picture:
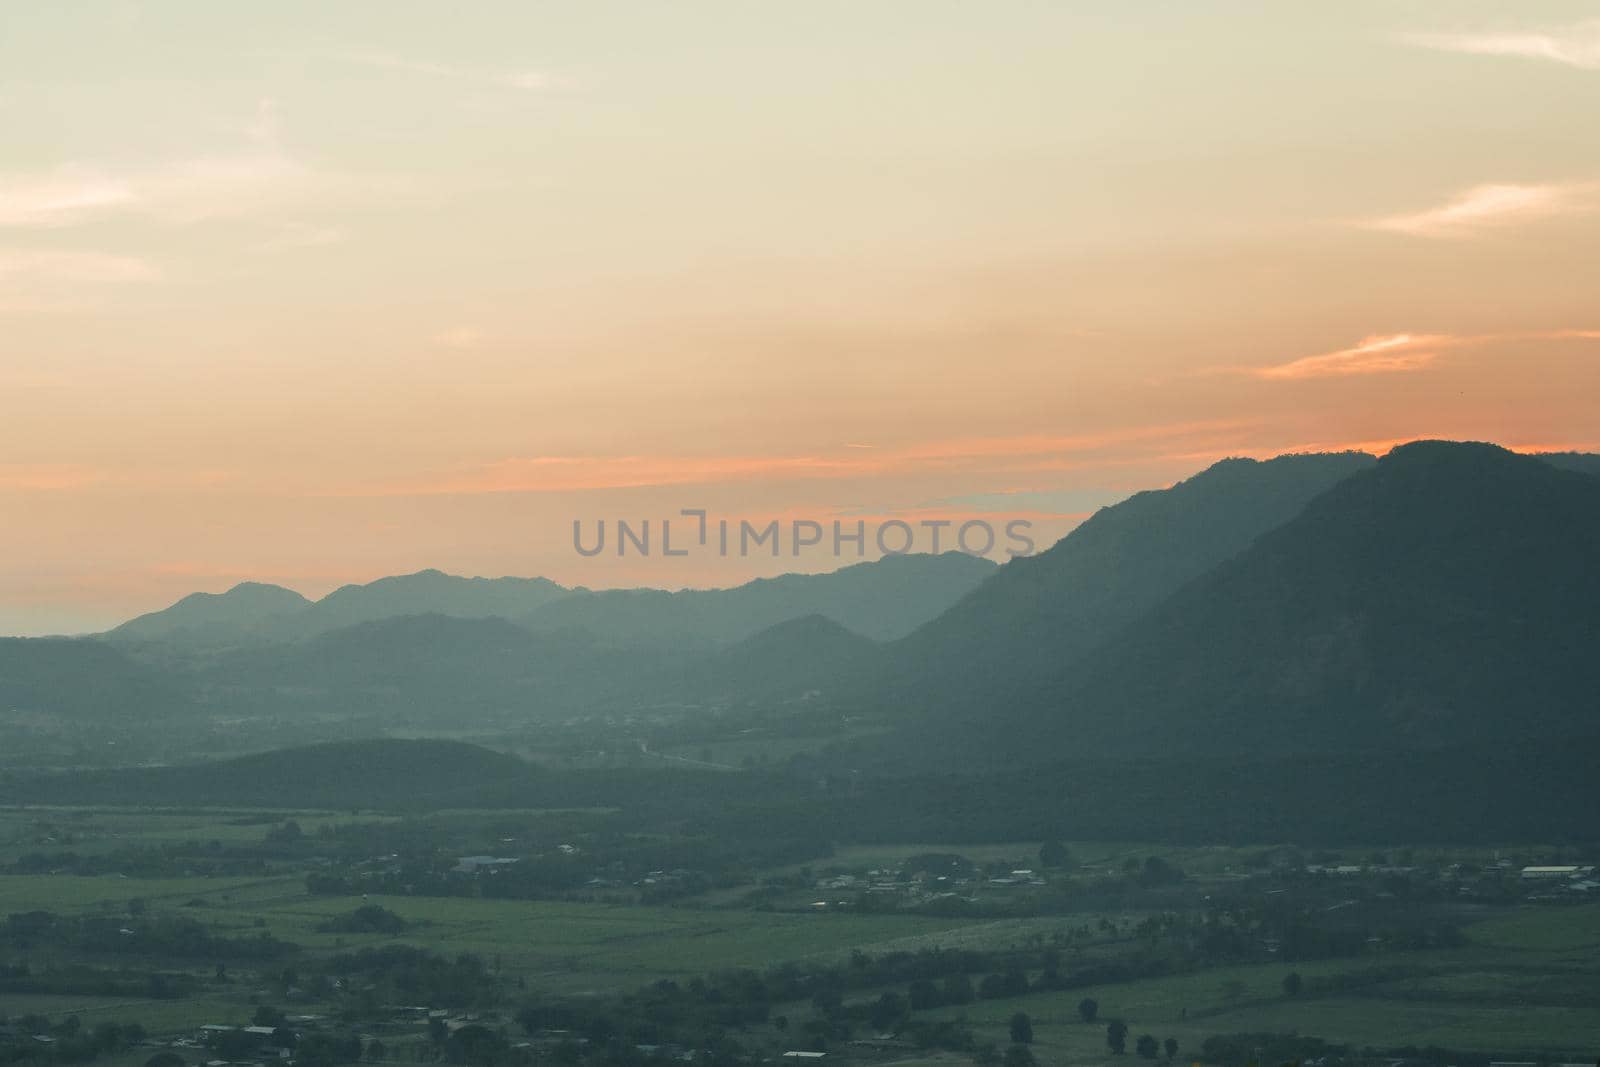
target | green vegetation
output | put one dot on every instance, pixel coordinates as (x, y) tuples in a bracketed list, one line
[(1185, 947)]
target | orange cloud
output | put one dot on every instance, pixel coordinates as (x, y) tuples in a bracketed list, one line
[(1374, 355), (545, 474), (1389, 354), (46, 477)]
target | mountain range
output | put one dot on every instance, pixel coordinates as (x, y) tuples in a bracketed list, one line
[(1366, 613), (882, 600)]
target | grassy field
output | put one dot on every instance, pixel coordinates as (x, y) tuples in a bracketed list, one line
[(1528, 980), (97, 831), (66, 893), (556, 946)]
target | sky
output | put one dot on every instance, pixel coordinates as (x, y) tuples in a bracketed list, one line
[(309, 293)]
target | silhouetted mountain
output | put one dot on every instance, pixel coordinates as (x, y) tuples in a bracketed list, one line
[(1450, 594), (84, 680), (1040, 615), (880, 600), (211, 619), (428, 592)]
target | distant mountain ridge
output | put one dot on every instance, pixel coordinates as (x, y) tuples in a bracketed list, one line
[(882, 599), (214, 618), (879, 599), (424, 593)]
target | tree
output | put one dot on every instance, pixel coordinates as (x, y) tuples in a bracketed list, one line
[(1019, 1056), (827, 1002), (267, 1015), (888, 1010), (1157, 871), (1117, 1036), (1088, 1008), (1171, 1045), (1053, 855), (1147, 1047), (958, 989), (924, 994), (992, 987), (1021, 1029), (1051, 977), (1292, 984), (108, 1038)]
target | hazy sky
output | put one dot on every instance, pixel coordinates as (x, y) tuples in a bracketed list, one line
[(311, 293)]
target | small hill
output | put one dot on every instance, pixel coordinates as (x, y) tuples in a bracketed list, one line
[(881, 600), (212, 619), (1450, 594), (348, 774), (785, 662), (85, 680)]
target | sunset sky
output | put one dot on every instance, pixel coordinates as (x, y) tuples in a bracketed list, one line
[(311, 293)]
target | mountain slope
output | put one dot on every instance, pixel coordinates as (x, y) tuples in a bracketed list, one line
[(214, 618), (1585, 462), (880, 600), (85, 680), (1449, 594), (1039, 615), (434, 669)]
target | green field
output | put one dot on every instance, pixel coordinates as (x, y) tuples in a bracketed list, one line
[(1518, 985), (96, 831), (561, 947), (1528, 980)]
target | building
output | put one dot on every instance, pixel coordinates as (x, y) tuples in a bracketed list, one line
[(1569, 871)]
